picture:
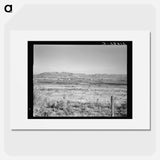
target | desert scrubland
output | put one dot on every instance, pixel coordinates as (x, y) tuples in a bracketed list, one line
[(79, 95)]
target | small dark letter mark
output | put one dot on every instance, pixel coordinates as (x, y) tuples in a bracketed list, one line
[(8, 8)]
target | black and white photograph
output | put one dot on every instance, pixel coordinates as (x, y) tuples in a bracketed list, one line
[(80, 79)]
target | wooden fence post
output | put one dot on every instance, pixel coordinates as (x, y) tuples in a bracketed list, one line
[(112, 106)]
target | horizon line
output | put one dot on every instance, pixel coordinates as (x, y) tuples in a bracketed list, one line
[(82, 73)]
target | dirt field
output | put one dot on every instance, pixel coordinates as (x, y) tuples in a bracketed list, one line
[(68, 94)]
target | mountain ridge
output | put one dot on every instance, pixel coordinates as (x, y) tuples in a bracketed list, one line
[(70, 73), (71, 78)]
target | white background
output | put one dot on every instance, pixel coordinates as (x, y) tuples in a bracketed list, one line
[(141, 79), (87, 145)]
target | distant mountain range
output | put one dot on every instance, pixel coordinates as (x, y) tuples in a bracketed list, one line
[(66, 74), (71, 78)]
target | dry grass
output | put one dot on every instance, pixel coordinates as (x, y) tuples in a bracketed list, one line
[(54, 100)]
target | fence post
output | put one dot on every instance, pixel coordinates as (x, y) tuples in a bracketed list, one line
[(112, 106)]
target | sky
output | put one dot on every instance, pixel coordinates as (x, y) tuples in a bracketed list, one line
[(89, 59)]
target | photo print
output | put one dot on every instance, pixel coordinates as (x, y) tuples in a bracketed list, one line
[(79, 79)]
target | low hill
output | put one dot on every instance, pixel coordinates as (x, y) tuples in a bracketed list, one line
[(76, 78)]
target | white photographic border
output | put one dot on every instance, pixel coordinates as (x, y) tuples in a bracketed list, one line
[(141, 81)]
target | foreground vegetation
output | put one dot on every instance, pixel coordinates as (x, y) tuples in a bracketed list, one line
[(78, 96)]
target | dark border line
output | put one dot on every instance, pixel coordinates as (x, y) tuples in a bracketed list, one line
[(30, 79), (79, 42)]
